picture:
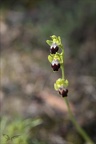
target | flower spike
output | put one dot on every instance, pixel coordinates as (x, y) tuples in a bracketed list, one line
[(57, 61)]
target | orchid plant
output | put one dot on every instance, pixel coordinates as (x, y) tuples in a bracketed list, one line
[(57, 61), (56, 58)]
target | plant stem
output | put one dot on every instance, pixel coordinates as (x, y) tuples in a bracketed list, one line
[(62, 69), (78, 127), (62, 66)]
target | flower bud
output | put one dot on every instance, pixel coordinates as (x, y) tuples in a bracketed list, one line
[(55, 65), (54, 48)]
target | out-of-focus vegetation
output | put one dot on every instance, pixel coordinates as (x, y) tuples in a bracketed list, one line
[(18, 131), (25, 72), (71, 19)]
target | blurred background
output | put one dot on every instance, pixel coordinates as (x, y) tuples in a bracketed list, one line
[(31, 110)]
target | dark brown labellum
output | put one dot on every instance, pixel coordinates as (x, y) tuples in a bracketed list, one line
[(55, 65), (54, 48), (63, 92)]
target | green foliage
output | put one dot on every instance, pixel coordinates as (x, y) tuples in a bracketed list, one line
[(58, 17), (66, 18), (18, 131), (19, 3)]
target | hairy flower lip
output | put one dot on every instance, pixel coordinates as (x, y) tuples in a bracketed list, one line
[(55, 65), (54, 48), (63, 91)]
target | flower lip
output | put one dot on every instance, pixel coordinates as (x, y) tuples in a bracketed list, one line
[(63, 91), (55, 65), (54, 48)]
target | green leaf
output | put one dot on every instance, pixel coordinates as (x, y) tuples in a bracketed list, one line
[(50, 58), (6, 136), (49, 42)]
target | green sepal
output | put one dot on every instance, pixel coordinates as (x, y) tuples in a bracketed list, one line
[(61, 58), (49, 42), (50, 58), (55, 87), (56, 40), (66, 83), (59, 39), (58, 56), (53, 37), (60, 83)]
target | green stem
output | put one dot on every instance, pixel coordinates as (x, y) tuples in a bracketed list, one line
[(62, 69), (79, 129), (62, 66)]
